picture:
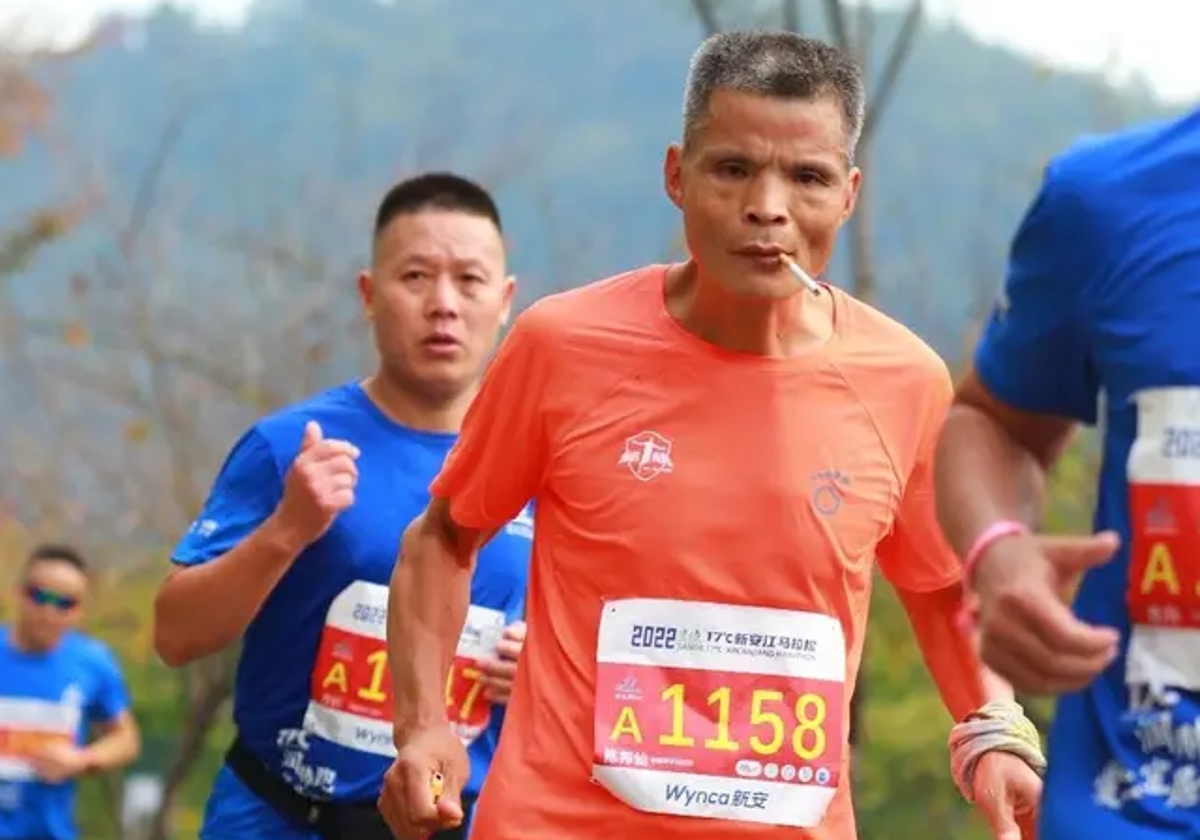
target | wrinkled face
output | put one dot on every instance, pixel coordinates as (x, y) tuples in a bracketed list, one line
[(51, 602), (763, 176), (437, 296)]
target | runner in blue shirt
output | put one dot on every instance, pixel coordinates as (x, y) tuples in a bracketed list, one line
[(295, 546), (56, 685), (1099, 324)]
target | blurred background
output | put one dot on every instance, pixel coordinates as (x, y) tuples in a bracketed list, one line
[(187, 190)]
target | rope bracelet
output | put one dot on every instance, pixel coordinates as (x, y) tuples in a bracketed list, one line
[(1000, 726)]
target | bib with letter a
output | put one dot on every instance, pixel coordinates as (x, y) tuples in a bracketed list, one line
[(1164, 561), (720, 711), (351, 694)]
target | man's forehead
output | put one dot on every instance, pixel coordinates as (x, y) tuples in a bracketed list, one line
[(747, 119), (56, 573), (440, 234)]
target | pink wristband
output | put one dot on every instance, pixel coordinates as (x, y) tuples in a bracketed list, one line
[(993, 532)]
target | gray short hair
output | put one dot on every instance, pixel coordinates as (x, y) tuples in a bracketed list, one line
[(781, 65)]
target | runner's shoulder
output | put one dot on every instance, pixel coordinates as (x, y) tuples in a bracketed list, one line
[(84, 648), (881, 345), (282, 430), (604, 311), (1087, 171)]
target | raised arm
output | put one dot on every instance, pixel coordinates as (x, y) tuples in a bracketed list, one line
[(253, 527)]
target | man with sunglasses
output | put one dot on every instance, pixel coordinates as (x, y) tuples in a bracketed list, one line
[(56, 684)]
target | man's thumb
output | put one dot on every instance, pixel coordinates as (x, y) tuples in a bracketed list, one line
[(450, 810), (1078, 554), (312, 435)]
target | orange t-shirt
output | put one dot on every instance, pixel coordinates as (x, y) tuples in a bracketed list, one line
[(707, 525)]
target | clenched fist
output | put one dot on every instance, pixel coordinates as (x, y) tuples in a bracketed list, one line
[(319, 485)]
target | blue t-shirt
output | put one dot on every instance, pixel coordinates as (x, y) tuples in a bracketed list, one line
[(49, 696), (312, 696), (1100, 322)]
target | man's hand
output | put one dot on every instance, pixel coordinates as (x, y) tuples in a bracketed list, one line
[(59, 762), (500, 670), (1007, 791), (1028, 634), (319, 485), (407, 801)]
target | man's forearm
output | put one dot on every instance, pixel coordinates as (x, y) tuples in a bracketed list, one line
[(983, 476), (114, 748), (428, 600), (950, 654), (202, 609)]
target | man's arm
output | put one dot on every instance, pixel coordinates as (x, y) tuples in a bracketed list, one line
[(202, 609), (117, 744), (1034, 379), (427, 605), (229, 561), (251, 531), (495, 467), (950, 654), (927, 575), (992, 462)]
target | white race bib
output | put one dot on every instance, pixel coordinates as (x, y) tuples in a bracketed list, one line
[(27, 727), (351, 691), (1164, 558), (720, 711)]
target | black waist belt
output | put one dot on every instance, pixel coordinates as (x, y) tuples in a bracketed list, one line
[(331, 820)]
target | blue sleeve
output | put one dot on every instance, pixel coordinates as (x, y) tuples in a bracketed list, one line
[(1034, 353), (245, 493), (111, 696)]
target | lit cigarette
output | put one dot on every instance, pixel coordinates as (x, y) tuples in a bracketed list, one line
[(800, 274)]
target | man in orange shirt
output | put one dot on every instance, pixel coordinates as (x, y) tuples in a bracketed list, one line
[(719, 458)]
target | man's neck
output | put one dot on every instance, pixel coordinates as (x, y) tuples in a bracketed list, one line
[(403, 407), (775, 328)]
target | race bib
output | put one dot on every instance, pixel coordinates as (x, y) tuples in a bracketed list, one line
[(1164, 556), (27, 728), (719, 711), (351, 690)]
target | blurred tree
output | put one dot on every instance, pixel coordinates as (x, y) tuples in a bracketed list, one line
[(24, 111)]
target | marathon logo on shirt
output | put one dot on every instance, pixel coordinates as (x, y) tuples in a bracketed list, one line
[(28, 727), (351, 691)]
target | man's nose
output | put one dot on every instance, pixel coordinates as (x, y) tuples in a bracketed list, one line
[(766, 202), (444, 297)]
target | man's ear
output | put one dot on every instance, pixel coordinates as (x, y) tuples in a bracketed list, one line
[(366, 294), (509, 292), (673, 174)]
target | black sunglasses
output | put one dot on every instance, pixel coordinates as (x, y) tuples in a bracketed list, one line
[(47, 598)]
